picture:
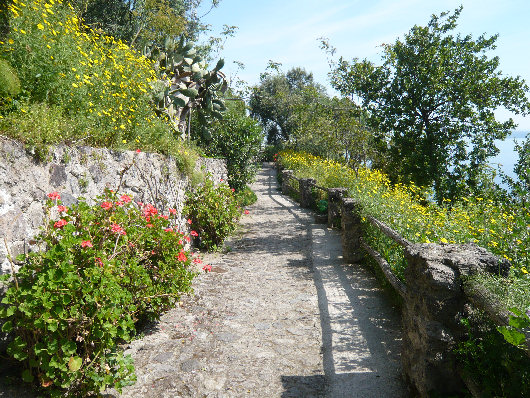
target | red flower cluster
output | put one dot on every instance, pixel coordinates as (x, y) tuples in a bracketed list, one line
[(116, 229), (206, 267), (149, 210), (86, 243), (54, 196), (173, 212), (62, 209), (182, 256), (106, 205), (125, 198), (193, 233), (59, 224)]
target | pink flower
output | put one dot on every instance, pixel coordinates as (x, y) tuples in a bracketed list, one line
[(119, 203), (62, 209), (193, 233), (173, 212), (86, 243), (168, 230), (182, 256), (247, 212), (189, 221), (149, 210), (116, 229), (222, 180), (125, 198), (187, 238), (138, 151), (232, 189), (54, 196), (106, 205), (197, 260), (207, 268), (164, 217), (180, 242), (149, 226), (59, 224)]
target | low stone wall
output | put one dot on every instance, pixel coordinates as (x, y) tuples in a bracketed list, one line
[(434, 297), (86, 172)]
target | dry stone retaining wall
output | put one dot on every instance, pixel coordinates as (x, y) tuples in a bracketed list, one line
[(86, 172)]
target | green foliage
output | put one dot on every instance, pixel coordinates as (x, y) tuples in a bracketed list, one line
[(246, 197), (322, 206), (104, 267), (269, 153), (237, 138), (9, 83), (213, 212), (499, 369), (434, 97), (272, 102)]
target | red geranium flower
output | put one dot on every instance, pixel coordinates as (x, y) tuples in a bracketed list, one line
[(54, 196), (182, 256), (207, 267), (116, 229), (173, 212), (125, 198), (62, 209), (246, 212), (86, 243), (168, 230), (59, 224), (106, 205), (193, 233)]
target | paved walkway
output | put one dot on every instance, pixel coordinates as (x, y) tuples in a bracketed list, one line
[(278, 316)]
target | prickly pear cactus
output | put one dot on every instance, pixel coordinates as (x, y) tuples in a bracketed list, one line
[(185, 84)]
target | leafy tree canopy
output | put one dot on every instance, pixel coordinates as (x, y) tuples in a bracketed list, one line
[(435, 95), (139, 22), (274, 100)]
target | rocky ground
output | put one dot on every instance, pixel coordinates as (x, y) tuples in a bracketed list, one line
[(278, 316)]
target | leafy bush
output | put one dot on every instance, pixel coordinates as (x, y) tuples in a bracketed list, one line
[(104, 267), (236, 138), (246, 197), (9, 82), (213, 213)]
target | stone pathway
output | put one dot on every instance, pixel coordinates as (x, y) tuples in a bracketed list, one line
[(278, 316)]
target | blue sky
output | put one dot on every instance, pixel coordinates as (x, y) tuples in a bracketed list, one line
[(287, 32)]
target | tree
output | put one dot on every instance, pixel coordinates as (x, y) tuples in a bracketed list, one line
[(435, 96), (274, 100), (142, 22)]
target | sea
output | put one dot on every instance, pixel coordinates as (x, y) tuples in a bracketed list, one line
[(508, 156)]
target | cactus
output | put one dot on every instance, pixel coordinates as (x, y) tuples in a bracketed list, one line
[(184, 84)]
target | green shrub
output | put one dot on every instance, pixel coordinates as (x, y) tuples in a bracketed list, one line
[(213, 213), (246, 197), (236, 138), (105, 267), (9, 83)]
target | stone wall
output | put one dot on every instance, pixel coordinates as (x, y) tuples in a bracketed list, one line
[(83, 171), (434, 299)]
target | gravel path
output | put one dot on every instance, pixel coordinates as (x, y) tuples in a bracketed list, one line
[(278, 316)]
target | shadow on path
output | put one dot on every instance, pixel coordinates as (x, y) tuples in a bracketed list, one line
[(361, 336)]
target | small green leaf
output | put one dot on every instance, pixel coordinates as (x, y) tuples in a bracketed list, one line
[(512, 336), (7, 327), (27, 376), (74, 364)]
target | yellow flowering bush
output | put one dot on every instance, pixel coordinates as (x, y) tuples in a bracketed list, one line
[(98, 82), (501, 228)]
